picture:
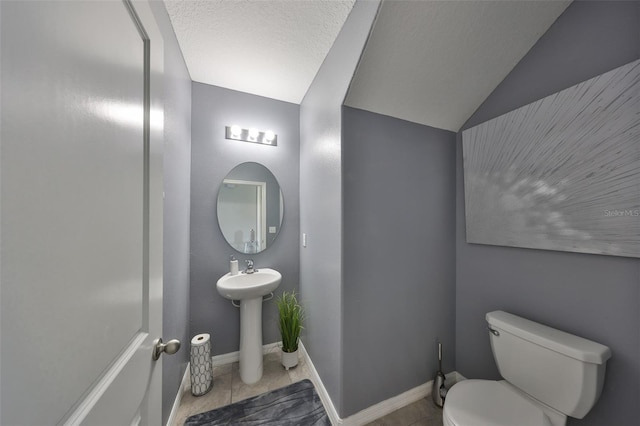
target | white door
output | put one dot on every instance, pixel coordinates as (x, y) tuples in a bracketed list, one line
[(81, 213)]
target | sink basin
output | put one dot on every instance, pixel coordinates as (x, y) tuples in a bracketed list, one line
[(249, 286)]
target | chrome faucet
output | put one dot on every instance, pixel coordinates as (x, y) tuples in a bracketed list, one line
[(249, 269)]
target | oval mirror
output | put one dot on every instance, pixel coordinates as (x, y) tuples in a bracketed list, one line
[(250, 208)]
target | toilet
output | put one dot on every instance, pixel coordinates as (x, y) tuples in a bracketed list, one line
[(548, 375)]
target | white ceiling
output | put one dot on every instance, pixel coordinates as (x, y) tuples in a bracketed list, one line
[(269, 48), (435, 62), (430, 62)]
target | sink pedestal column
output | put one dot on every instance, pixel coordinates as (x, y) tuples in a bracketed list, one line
[(251, 340)]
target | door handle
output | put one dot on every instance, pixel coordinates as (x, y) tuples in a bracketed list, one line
[(170, 348)]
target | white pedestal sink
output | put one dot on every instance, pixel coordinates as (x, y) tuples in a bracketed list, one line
[(249, 290)]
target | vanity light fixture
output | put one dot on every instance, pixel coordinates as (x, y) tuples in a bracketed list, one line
[(253, 135)]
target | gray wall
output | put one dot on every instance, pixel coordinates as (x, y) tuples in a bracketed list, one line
[(212, 157), (399, 255), (321, 198), (177, 171), (597, 297)]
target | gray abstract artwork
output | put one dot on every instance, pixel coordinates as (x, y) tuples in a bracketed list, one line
[(561, 173)]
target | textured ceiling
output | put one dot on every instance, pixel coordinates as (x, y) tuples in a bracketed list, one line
[(435, 62), (269, 48)]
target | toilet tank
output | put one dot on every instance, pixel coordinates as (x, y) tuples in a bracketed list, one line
[(564, 371)]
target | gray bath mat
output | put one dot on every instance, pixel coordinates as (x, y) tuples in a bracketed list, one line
[(294, 405)]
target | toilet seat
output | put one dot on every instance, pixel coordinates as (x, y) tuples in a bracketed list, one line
[(490, 403)]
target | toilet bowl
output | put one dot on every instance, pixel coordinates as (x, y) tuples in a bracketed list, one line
[(549, 375), (495, 403)]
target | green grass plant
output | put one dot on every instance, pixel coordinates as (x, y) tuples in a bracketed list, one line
[(291, 316)]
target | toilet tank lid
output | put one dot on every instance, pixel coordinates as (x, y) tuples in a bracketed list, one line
[(567, 344)]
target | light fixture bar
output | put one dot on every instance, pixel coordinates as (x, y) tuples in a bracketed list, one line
[(252, 135)]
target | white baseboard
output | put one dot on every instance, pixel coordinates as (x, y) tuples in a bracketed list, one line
[(178, 400), (392, 404), (322, 391), (235, 356), (375, 411)]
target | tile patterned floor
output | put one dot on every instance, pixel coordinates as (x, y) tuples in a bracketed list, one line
[(228, 388), (421, 413)]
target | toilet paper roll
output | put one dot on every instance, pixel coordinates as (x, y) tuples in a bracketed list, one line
[(201, 368)]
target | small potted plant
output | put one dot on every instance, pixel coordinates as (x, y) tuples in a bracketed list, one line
[(290, 323)]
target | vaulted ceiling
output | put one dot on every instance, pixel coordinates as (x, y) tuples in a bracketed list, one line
[(430, 62), (435, 62)]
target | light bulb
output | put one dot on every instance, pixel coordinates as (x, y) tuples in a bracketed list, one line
[(236, 131), (253, 134), (269, 136)]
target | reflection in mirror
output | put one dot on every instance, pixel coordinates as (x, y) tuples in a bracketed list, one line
[(250, 208)]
